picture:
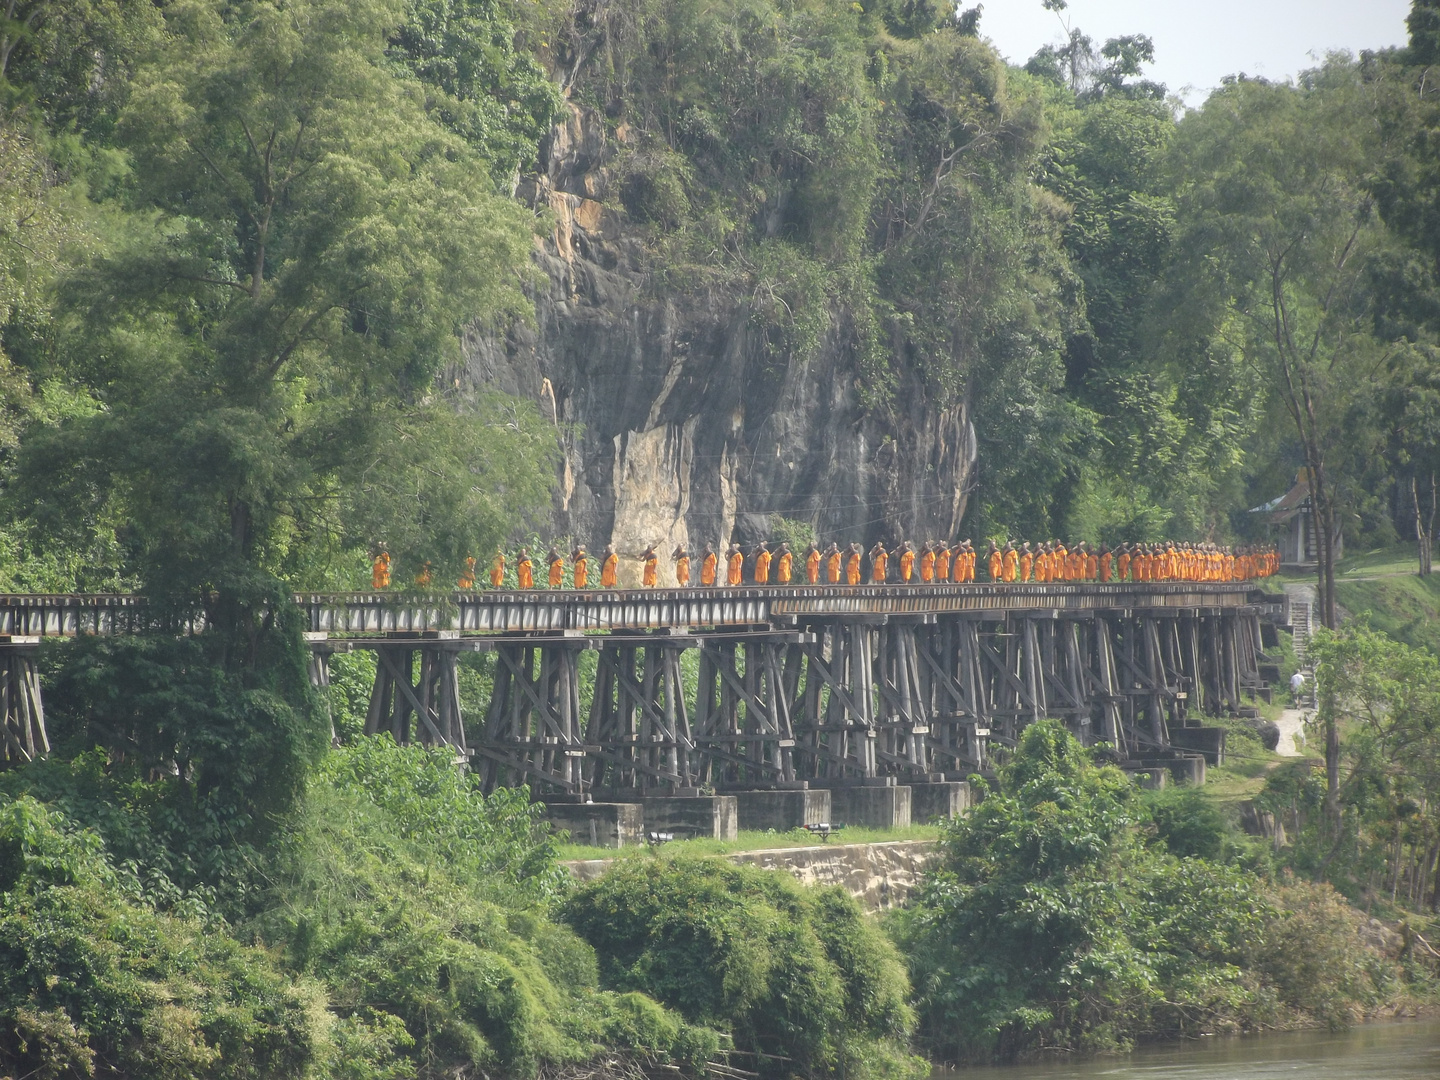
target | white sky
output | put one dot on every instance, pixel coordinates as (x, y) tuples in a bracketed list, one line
[(1199, 41)]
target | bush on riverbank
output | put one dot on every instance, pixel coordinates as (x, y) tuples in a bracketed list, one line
[(805, 982), (1058, 918)]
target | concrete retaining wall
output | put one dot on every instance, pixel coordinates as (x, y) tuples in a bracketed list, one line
[(878, 875)]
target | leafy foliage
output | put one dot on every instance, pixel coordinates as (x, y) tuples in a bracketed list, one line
[(805, 984), (1052, 923)]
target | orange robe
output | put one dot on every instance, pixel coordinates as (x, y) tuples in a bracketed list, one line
[(832, 568), (557, 574), (497, 572), (467, 576), (708, 566), (997, 566), (582, 571), (682, 570), (852, 569), (380, 572), (649, 575), (879, 568), (423, 578), (927, 567), (525, 571), (783, 567), (942, 565), (608, 570), (907, 565), (812, 568), (1027, 566), (735, 569), (1009, 567), (762, 568), (1105, 562), (1122, 565)]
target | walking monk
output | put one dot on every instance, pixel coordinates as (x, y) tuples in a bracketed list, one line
[(1027, 562), (556, 564), (525, 569), (907, 561), (852, 565), (708, 565), (609, 567), (380, 571), (833, 561), (784, 565), (995, 563), (927, 562), (1106, 559), (682, 565), (879, 564), (649, 567), (497, 570), (942, 563), (1122, 563), (423, 578), (812, 565), (467, 575), (581, 562), (762, 564), (735, 565), (1009, 564)]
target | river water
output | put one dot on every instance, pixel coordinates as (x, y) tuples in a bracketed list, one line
[(1395, 1051)]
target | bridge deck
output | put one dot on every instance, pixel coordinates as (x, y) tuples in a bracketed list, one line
[(502, 612)]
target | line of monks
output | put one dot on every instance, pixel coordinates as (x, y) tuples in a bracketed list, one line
[(932, 563)]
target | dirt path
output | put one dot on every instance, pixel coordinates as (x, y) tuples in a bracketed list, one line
[(1291, 723)]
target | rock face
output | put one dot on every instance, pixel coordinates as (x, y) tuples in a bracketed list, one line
[(677, 426)]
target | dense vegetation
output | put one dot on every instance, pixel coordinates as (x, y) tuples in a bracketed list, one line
[(239, 242), (1070, 914)]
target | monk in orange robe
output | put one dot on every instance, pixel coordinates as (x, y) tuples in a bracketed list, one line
[(943, 556), (834, 561), (556, 564), (812, 565), (879, 564), (995, 563), (609, 568), (1027, 562), (525, 570), (762, 564), (784, 565), (852, 566), (735, 565), (1105, 564), (467, 575), (1009, 564), (709, 564), (1122, 563), (907, 561), (927, 562), (649, 567), (497, 570), (380, 571), (424, 577), (581, 562)]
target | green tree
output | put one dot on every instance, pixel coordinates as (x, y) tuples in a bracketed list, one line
[(1276, 236), (262, 339)]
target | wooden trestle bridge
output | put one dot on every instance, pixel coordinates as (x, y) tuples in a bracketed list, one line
[(750, 687)]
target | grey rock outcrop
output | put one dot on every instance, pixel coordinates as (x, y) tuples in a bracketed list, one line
[(675, 422)]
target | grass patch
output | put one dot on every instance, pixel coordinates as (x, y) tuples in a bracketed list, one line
[(1405, 607), (748, 841)]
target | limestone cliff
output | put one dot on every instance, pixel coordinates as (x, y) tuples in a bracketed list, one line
[(675, 424)]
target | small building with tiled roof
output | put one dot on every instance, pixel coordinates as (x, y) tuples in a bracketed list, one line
[(1291, 519)]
